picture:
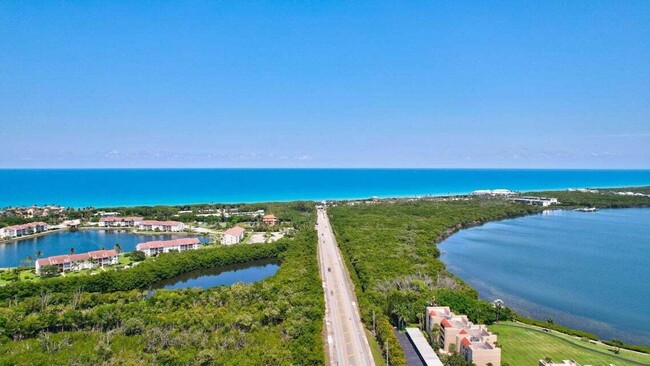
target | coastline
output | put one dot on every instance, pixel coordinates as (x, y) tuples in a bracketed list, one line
[(153, 187)]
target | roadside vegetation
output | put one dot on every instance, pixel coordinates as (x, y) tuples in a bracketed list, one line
[(111, 318), (390, 248), (392, 256)]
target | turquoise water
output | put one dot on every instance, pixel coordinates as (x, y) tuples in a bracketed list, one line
[(131, 187), (588, 271), (222, 276), (11, 253)]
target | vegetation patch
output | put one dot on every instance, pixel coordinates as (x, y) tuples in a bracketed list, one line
[(110, 319)]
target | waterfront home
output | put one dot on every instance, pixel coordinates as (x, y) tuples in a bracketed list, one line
[(537, 201), (270, 220), (15, 231), (456, 332), (563, 363), (116, 221), (233, 235), (164, 246), (76, 262), (154, 225)]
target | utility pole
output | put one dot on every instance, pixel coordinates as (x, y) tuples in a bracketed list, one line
[(374, 326), (386, 346)]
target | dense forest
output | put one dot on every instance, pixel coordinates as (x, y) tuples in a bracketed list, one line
[(392, 255), (391, 251), (109, 319)]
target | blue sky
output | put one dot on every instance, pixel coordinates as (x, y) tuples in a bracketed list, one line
[(549, 84)]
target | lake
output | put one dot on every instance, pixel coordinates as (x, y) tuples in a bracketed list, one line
[(11, 253), (589, 271), (133, 187), (221, 276)]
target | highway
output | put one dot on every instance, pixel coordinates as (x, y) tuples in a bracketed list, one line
[(346, 339)]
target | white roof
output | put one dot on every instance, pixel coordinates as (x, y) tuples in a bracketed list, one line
[(422, 346)]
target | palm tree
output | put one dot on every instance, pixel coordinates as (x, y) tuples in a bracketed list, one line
[(118, 248), (498, 304), (72, 251), (618, 344), (27, 261)]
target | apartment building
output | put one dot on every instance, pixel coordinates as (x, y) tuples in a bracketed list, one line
[(164, 246), (452, 332)]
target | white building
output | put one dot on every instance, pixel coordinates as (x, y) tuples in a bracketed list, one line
[(233, 235), (153, 225), (164, 246), (537, 201), (76, 262), (24, 229), (116, 221)]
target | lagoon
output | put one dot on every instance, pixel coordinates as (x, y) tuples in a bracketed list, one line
[(12, 252), (221, 276), (587, 271)]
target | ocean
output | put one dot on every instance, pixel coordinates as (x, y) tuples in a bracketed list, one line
[(587, 271), (131, 187)]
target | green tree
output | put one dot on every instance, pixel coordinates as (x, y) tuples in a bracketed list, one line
[(617, 344), (49, 271)]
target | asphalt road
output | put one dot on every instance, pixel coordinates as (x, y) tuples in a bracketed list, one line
[(346, 338)]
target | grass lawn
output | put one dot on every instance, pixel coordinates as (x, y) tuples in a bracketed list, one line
[(123, 260), (28, 275), (374, 349), (524, 344)]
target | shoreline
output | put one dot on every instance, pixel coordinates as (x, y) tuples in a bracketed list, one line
[(459, 227), (32, 236), (132, 230)]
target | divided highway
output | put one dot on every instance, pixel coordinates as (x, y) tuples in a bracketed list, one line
[(346, 337)]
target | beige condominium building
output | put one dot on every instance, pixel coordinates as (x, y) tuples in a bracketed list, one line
[(452, 332)]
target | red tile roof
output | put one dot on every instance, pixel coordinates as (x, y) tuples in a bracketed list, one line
[(160, 223), (235, 231), (466, 342), (167, 243), (70, 258), (118, 218), (25, 226), (463, 332), (445, 323)]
